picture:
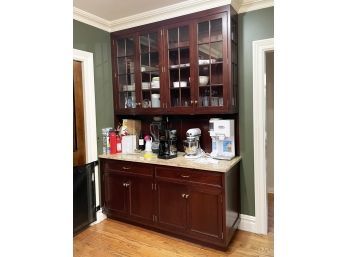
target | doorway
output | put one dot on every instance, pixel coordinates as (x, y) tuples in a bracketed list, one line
[(260, 48), (270, 138)]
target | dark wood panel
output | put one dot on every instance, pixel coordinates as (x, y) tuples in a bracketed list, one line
[(171, 205), (129, 167), (189, 175), (205, 212), (115, 193), (141, 199)]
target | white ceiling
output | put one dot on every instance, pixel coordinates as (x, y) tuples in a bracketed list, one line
[(115, 9)]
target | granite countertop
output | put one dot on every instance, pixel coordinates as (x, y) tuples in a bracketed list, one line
[(180, 161)]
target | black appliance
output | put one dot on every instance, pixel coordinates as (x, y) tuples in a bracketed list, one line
[(84, 196), (167, 144)]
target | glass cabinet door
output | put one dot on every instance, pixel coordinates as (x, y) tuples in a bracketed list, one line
[(150, 72), (178, 55), (210, 63), (125, 72)]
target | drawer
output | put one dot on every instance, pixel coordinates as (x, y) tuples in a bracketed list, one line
[(128, 167), (190, 175)]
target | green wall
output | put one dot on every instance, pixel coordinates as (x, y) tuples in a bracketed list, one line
[(97, 41), (252, 26)]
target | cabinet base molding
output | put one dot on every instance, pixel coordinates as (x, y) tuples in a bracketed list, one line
[(247, 223)]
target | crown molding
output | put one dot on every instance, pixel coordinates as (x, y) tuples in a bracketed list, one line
[(252, 5), (166, 12), (91, 19)]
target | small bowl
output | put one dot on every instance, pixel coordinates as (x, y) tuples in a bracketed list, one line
[(203, 80)]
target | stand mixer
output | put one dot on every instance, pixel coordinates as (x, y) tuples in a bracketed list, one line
[(191, 144)]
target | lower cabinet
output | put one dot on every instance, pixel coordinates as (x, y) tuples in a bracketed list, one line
[(193, 204)]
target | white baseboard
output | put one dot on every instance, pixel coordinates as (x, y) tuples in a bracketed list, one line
[(247, 223), (100, 217)]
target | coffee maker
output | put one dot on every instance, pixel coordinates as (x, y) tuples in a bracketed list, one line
[(167, 144), (223, 141)]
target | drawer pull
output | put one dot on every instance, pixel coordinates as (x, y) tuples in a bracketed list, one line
[(185, 176), (125, 168)]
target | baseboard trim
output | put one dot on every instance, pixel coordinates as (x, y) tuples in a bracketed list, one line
[(247, 223)]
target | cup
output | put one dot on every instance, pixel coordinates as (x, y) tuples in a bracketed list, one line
[(214, 101), (205, 101)]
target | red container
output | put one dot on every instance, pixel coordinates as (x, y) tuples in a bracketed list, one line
[(118, 144), (113, 142)]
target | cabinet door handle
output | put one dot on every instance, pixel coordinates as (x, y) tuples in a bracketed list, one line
[(185, 176), (192, 101), (183, 195), (196, 101), (124, 184), (127, 184), (125, 168), (187, 196)]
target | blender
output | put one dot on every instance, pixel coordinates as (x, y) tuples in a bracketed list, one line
[(191, 144)]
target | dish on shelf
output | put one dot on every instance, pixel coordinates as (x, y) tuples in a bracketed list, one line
[(179, 65), (155, 84), (180, 84), (203, 80), (145, 85), (201, 62), (128, 87)]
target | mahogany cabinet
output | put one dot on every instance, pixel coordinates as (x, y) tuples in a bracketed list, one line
[(184, 65), (198, 205)]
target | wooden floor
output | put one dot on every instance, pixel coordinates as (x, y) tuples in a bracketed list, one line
[(111, 238)]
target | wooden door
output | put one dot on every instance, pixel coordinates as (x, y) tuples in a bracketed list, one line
[(115, 194), (79, 149), (141, 199), (205, 212), (172, 207)]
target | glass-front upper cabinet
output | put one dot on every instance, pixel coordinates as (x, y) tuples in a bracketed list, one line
[(211, 60), (150, 70), (125, 76), (178, 61)]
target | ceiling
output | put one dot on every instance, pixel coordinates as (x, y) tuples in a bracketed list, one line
[(115, 9), (113, 15)]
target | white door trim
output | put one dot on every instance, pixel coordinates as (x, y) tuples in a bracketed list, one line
[(88, 103), (260, 47)]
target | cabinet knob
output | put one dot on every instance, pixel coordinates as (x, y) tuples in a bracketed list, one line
[(196, 101), (192, 101), (187, 196), (183, 195)]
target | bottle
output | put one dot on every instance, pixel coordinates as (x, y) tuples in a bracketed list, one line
[(118, 144), (141, 142), (112, 137)]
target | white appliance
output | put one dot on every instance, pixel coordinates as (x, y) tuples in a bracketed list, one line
[(191, 144), (223, 140)]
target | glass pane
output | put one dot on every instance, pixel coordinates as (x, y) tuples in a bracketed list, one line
[(130, 64), (129, 46), (173, 58), (153, 42), (121, 65), (216, 30), (173, 77), (127, 100), (154, 59), (184, 76), (173, 38), (144, 44), (184, 36), (144, 60), (216, 74), (121, 48), (216, 51), (204, 96), (216, 96), (185, 56), (203, 54), (185, 97), (203, 32), (122, 80), (175, 97)]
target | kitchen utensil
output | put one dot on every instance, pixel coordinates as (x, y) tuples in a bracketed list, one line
[(203, 80), (155, 100)]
